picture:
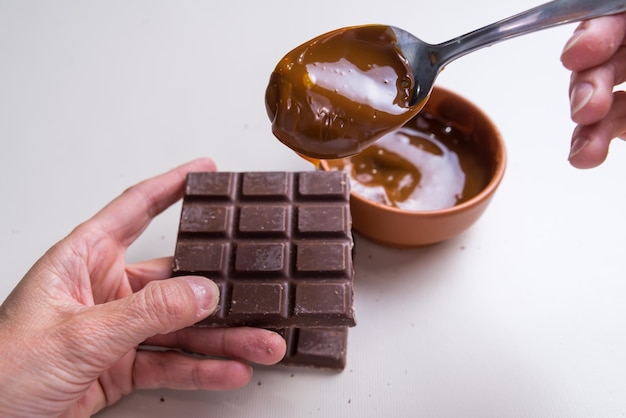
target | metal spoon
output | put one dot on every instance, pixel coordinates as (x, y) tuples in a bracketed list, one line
[(427, 60), (336, 94)]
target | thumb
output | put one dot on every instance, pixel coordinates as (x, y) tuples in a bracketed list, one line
[(162, 306)]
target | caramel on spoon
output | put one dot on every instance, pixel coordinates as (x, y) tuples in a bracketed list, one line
[(338, 93)]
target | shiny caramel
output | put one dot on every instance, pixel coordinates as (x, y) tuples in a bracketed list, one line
[(337, 94), (427, 164)]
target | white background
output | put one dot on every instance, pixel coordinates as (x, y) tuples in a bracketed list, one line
[(522, 316)]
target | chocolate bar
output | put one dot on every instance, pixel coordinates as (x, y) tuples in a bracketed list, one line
[(322, 348), (278, 244)]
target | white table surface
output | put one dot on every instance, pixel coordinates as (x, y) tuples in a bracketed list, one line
[(522, 316)]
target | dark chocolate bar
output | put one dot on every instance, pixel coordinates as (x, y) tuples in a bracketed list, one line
[(322, 348), (278, 244)]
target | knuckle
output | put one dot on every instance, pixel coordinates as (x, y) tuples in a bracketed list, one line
[(166, 303)]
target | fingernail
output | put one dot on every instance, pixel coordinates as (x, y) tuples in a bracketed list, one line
[(578, 33), (573, 39), (580, 96), (578, 144), (207, 293)]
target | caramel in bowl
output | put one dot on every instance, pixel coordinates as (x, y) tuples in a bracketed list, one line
[(430, 180)]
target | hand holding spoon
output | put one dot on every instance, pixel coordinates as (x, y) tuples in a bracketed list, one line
[(337, 94)]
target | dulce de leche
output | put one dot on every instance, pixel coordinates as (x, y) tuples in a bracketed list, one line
[(337, 94), (425, 165)]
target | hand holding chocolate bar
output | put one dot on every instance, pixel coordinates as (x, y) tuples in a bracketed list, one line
[(71, 332)]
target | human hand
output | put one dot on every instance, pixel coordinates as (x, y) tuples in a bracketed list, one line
[(70, 331), (596, 56)]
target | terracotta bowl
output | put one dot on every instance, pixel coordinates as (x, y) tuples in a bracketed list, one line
[(397, 226)]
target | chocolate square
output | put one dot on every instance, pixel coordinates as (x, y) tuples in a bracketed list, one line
[(322, 348)]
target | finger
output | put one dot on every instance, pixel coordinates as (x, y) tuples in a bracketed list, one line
[(594, 42), (170, 370), (161, 307), (256, 345), (591, 91), (590, 143), (130, 213), (142, 273)]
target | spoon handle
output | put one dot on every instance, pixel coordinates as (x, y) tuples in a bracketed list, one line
[(547, 15)]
